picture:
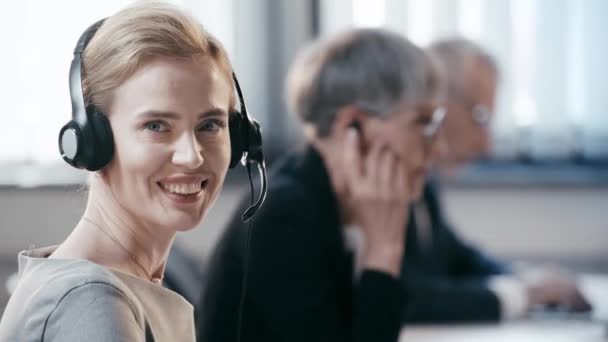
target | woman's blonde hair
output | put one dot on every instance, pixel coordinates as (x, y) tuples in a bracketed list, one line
[(137, 33)]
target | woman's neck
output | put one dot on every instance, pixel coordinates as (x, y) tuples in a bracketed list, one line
[(110, 235)]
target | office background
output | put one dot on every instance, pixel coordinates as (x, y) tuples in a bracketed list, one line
[(540, 197)]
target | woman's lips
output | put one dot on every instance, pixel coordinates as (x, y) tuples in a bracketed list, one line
[(183, 192)]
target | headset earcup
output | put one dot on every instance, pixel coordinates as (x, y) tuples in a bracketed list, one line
[(102, 143), (70, 139), (254, 144), (237, 138)]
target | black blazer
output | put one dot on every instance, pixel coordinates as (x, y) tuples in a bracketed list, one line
[(300, 283), (446, 278)]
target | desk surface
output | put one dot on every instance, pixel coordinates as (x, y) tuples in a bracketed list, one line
[(552, 328)]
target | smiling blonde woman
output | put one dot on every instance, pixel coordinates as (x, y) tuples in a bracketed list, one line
[(165, 86)]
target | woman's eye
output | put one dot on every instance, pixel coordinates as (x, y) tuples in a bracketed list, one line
[(156, 126), (212, 125)]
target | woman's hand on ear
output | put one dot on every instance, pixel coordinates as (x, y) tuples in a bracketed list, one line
[(378, 201)]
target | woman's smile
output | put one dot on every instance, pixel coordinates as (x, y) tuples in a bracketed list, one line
[(184, 189)]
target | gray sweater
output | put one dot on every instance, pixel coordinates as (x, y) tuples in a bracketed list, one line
[(78, 300)]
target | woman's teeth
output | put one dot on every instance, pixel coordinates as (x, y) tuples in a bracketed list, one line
[(182, 189)]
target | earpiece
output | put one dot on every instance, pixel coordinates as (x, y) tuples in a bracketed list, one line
[(245, 134), (86, 141), (246, 146)]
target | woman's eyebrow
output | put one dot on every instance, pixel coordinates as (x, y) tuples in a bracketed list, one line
[(157, 114), (213, 112), (160, 114)]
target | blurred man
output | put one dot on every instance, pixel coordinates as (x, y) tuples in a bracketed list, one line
[(447, 279)]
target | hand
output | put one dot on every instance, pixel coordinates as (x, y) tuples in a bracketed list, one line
[(378, 202), (554, 288)]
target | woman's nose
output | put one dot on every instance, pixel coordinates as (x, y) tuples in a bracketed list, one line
[(188, 152)]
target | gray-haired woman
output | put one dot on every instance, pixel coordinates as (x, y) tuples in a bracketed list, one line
[(370, 104)]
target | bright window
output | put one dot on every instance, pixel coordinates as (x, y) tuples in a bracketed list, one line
[(38, 38), (551, 102)]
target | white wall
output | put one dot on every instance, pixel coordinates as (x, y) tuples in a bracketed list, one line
[(556, 223)]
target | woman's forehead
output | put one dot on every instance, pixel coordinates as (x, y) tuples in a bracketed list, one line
[(164, 83), (159, 70)]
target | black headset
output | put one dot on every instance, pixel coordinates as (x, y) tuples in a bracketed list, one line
[(86, 141)]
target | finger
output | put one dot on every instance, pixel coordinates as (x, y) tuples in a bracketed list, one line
[(401, 180), (352, 157), (385, 173), (372, 164)]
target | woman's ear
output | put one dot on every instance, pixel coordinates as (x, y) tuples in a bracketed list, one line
[(347, 118), (351, 117)]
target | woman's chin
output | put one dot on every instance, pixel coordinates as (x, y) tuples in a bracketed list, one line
[(184, 229), (182, 224)]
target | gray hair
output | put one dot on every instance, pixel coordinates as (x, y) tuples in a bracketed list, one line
[(457, 56), (372, 69)]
